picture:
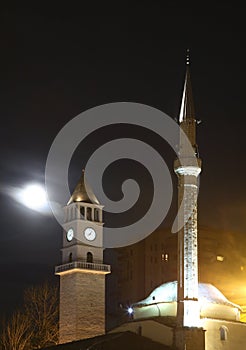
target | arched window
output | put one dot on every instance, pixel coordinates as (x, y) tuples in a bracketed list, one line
[(89, 258), (70, 257), (223, 333)]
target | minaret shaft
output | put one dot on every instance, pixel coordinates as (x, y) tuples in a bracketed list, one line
[(188, 238), (188, 308)]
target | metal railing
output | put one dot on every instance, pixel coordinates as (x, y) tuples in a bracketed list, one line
[(82, 265)]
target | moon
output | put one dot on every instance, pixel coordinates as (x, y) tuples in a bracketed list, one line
[(33, 196)]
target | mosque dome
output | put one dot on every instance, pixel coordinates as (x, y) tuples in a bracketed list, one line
[(163, 302)]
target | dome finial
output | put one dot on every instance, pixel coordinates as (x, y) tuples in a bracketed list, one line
[(188, 57)]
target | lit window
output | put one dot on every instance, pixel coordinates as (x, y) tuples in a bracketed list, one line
[(242, 268), (164, 257), (220, 258)]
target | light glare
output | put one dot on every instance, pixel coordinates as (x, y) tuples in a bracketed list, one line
[(33, 196), (130, 310)]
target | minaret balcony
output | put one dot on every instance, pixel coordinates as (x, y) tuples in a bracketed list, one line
[(82, 266), (190, 167)]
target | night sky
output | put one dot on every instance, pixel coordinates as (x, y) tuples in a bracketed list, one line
[(57, 63)]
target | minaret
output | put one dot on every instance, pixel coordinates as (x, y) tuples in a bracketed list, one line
[(82, 273), (188, 313)]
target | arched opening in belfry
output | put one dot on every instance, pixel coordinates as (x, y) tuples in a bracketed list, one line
[(82, 212), (70, 258), (96, 214), (89, 214), (89, 257)]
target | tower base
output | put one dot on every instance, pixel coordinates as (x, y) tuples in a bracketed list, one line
[(186, 338), (82, 306)]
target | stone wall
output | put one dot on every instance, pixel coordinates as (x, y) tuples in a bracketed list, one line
[(82, 306)]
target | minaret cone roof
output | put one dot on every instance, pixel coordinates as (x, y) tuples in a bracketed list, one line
[(187, 109), (83, 192)]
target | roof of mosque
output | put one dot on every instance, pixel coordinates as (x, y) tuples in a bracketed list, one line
[(167, 292)]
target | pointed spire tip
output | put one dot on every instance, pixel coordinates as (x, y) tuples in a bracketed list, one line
[(187, 57), (187, 104)]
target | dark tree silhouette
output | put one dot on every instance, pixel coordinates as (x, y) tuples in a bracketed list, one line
[(36, 325)]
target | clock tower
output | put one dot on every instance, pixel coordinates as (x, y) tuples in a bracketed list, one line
[(82, 273)]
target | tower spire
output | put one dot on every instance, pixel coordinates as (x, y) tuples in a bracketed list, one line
[(187, 110), (187, 119), (83, 192)]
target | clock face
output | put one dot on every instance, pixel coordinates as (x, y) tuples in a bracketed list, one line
[(90, 234), (70, 235)]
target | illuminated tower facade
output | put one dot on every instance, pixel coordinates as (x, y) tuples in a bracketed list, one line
[(188, 313), (82, 273)]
